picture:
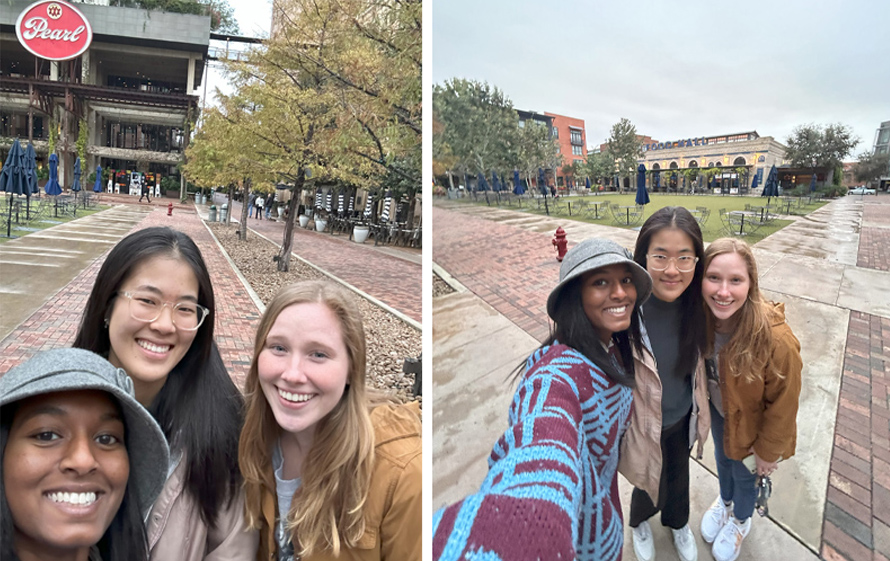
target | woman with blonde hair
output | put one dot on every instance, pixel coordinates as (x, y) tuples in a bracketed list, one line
[(331, 471), (747, 389)]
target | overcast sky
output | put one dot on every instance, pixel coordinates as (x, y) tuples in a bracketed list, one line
[(677, 69)]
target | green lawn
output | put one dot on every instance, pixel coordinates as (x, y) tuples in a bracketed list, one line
[(711, 229), (42, 222)]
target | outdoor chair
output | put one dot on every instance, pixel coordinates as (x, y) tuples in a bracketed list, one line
[(702, 215), (723, 217)]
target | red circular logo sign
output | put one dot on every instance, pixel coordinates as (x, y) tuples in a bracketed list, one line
[(54, 30)]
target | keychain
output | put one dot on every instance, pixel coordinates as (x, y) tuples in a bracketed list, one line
[(764, 490)]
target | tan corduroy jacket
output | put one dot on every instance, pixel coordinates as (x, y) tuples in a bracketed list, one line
[(176, 532), (393, 512), (639, 459), (761, 414)]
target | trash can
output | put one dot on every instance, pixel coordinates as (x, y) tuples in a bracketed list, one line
[(212, 216), (224, 212)]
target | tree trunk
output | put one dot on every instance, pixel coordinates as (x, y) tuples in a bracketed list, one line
[(231, 190), (242, 228), (288, 242)]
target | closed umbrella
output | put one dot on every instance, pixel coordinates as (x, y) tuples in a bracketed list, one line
[(495, 184), (318, 198), (369, 207), (771, 187), (518, 189), (642, 197), (13, 179), (327, 202), (52, 186), (30, 164), (813, 183), (97, 186), (587, 183), (542, 182), (657, 180), (387, 203), (341, 200), (755, 182), (76, 185)]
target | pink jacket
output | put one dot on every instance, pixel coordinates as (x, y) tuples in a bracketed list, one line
[(176, 532)]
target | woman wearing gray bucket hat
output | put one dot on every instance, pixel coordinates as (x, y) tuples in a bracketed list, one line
[(69, 427), (551, 490)]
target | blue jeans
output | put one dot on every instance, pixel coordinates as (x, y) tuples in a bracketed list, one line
[(737, 484)]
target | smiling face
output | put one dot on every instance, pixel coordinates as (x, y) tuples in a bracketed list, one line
[(148, 351), (608, 295), (65, 470), (668, 285), (303, 369), (725, 288)]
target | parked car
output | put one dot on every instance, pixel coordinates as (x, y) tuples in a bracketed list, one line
[(862, 190)]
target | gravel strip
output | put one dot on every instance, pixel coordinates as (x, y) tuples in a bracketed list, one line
[(440, 287), (390, 340)]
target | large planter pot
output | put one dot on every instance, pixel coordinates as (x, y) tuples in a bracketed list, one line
[(320, 224), (360, 234), (303, 220)]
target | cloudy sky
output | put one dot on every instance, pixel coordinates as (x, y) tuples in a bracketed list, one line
[(677, 68)]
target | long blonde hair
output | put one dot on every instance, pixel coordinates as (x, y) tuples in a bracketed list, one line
[(748, 350), (327, 510)]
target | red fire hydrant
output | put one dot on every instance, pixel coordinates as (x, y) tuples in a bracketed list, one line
[(561, 243), (170, 208)]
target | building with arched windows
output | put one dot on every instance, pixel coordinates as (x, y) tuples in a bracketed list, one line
[(725, 163)]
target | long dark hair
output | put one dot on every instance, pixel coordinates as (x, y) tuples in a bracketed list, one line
[(572, 327), (198, 408), (692, 314), (124, 540)]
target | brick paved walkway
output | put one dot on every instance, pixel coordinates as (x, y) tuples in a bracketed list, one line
[(394, 281), (857, 507), (55, 324), (494, 266)]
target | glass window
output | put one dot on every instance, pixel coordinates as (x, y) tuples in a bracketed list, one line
[(554, 132), (577, 151), (576, 137)]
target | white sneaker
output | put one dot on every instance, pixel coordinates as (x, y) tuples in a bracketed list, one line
[(729, 541), (714, 520), (684, 541), (644, 545)]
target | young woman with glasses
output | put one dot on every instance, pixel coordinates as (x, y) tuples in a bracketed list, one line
[(151, 312), (655, 449)]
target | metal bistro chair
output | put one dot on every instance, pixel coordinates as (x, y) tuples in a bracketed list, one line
[(703, 214)]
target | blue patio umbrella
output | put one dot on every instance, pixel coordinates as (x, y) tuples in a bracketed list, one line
[(617, 185), (587, 183), (52, 186), (481, 184), (495, 184), (657, 180), (771, 187), (813, 182), (13, 179), (77, 173), (30, 164), (755, 182), (97, 187), (542, 183), (518, 189), (642, 197)]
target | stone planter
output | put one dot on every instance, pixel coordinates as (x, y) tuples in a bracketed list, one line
[(360, 234), (320, 224), (303, 220)]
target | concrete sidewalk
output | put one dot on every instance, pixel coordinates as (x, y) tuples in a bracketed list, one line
[(831, 270)]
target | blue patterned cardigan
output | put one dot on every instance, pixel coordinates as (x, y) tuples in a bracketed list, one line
[(551, 490)]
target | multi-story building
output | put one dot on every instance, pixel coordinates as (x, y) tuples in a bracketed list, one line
[(568, 132), (745, 154), (134, 88), (882, 139)]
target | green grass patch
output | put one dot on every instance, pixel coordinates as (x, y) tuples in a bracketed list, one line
[(711, 230), (42, 222)]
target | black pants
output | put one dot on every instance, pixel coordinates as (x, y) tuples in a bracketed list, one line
[(144, 195), (673, 489)]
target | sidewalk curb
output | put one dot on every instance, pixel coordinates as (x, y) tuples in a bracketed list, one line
[(415, 324), (253, 295), (448, 279)]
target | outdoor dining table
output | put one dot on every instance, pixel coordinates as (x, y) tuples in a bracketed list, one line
[(596, 208), (627, 219), (743, 213)]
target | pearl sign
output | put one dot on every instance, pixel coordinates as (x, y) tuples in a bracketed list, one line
[(54, 30)]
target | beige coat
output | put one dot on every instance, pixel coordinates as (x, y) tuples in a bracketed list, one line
[(761, 414), (639, 459), (176, 532)]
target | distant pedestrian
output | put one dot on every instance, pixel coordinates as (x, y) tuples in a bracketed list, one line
[(260, 202), (268, 204), (145, 192), (250, 200)]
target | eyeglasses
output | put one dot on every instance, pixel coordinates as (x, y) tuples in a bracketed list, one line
[(684, 263), (147, 307)]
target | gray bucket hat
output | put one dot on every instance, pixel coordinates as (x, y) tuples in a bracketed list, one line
[(77, 369), (594, 253)]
